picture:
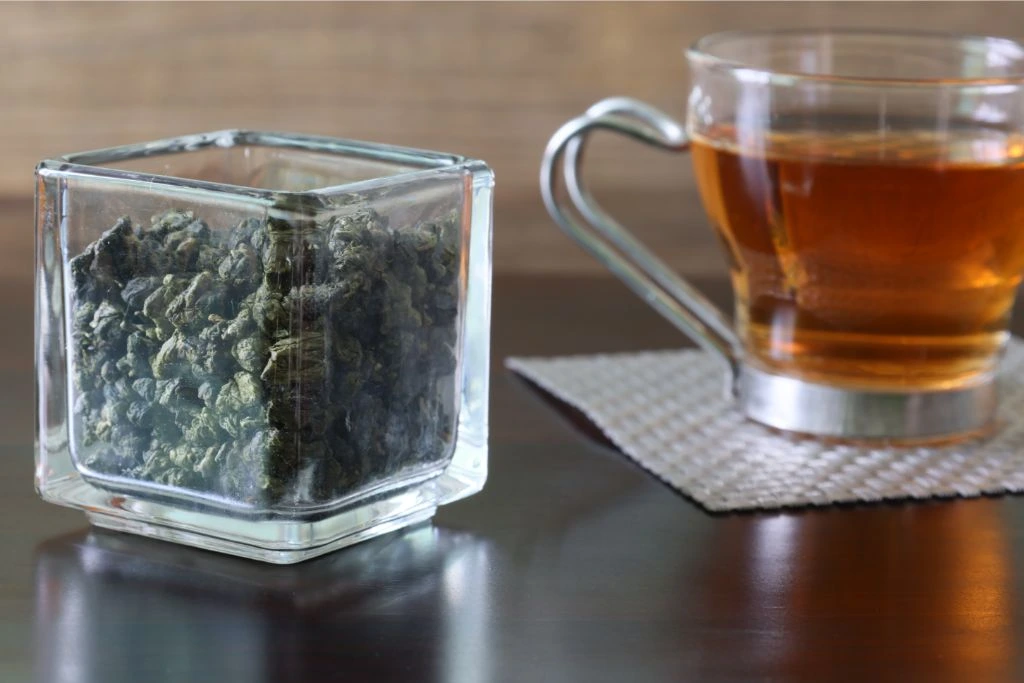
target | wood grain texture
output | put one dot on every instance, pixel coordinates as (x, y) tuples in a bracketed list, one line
[(571, 565), (490, 80)]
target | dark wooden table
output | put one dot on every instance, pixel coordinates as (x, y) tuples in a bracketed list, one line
[(572, 565)]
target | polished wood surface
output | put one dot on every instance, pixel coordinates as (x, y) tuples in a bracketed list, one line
[(571, 565), (489, 80)]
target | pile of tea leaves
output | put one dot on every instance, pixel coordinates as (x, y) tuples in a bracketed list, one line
[(281, 360)]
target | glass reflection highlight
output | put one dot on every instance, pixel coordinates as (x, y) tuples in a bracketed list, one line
[(111, 607), (927, 591)]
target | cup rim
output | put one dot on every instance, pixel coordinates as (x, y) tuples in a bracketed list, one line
[(701, 52)]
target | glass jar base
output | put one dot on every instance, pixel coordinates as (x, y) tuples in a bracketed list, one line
[(341, 537), (278, 541)]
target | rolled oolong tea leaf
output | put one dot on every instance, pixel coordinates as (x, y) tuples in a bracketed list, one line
[(277, 362)]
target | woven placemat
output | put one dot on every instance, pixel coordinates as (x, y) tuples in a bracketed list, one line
[(666, 410)]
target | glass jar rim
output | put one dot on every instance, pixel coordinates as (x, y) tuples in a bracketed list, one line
[(703, 52)]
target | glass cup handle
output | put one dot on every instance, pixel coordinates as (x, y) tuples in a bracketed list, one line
[(610, 243)]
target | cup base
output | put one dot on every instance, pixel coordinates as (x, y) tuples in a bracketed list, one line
[(821, 410)]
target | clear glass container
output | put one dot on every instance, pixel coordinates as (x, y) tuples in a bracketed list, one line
[(266, 345)]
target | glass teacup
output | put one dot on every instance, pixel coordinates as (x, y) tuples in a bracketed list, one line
[(869, 189)]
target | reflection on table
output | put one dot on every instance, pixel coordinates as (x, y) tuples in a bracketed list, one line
[(909, 582), (112, 607)]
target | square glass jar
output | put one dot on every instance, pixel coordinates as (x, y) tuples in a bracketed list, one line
[(263, 344)]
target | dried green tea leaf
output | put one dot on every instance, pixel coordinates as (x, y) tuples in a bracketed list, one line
[(274, 362)]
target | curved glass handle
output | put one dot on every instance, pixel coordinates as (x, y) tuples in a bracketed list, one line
[(610, 243)]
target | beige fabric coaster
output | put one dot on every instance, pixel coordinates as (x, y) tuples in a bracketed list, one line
[(666, 411)]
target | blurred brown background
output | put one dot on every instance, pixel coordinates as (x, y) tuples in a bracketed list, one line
[(489, 80)]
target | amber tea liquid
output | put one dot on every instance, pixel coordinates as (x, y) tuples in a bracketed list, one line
[(869, 260)]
